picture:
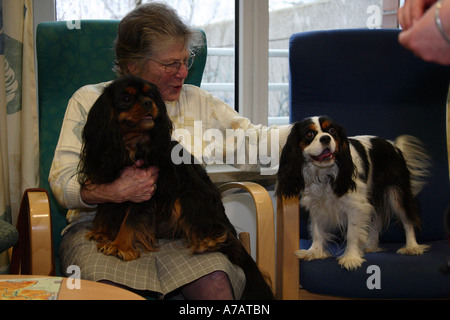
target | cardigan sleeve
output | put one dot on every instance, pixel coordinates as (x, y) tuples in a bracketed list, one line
[(243, 144)]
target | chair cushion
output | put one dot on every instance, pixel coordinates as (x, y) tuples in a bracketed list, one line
[(397, 274)]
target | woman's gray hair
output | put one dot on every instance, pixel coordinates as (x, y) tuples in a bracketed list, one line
[(142, 31)]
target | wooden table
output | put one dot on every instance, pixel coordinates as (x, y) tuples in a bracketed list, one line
[(89, 290)]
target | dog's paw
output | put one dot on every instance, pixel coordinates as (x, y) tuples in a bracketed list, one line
[(97, 237), (207, 244), (414, 250), (312, 254), (350, 262), (372, 249), (112, 250)]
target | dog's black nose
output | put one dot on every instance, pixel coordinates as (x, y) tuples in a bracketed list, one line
[(146, 103), (325, 139)]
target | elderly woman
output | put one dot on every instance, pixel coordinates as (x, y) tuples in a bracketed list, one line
[(152, 43)]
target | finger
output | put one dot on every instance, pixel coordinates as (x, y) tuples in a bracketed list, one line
[(416, 12), (153, 171), (139, 163), (405, 39), (412, 11), (403, 17)]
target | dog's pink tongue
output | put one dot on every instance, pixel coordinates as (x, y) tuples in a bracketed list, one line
[(326, 154)]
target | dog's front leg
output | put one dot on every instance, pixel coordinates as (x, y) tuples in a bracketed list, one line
[(317, 249), (357, 224)]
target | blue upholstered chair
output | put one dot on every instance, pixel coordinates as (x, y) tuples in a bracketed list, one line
[(70, 56), (371, 85)]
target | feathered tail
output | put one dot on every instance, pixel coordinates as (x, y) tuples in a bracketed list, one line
[(417, 160), (256, 286)]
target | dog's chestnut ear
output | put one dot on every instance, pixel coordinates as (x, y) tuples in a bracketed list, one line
[(290, 173)]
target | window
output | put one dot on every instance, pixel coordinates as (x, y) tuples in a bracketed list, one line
[(267, 26), (288, 17), (215, 17)]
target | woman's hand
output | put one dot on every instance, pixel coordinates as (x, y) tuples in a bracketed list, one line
[(421, 35), (412, 11), (134, 184)]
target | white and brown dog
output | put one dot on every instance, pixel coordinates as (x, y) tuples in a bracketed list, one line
[(355, 184)]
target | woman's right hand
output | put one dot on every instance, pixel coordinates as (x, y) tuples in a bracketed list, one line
[(134, 184)]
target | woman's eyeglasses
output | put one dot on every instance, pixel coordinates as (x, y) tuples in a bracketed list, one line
[(174, 67)]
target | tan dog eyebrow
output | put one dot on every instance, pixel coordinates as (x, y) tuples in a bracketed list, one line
[(146, 88), (131, 90), (325, 125)]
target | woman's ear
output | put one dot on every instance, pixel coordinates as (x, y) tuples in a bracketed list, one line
[(132, 68)]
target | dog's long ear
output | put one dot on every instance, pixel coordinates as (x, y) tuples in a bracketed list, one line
[(103, 153), (290, 174), (345, 180)]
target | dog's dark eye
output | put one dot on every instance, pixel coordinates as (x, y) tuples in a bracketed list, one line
[(310, 135), (126, 99), (332, 131)]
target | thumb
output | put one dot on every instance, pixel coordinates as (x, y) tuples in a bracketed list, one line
[(404, 38), (139, 163)]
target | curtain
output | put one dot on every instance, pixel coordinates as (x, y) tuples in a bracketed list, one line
[(19, 144)]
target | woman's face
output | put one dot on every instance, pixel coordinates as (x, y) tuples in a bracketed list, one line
[(169, 82)]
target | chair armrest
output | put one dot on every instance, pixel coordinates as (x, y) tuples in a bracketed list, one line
[(265, 225), (288, 242), (34, 252)]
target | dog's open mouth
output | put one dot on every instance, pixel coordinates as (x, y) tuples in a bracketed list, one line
[(324, 156), (147, 122), (148, 117)]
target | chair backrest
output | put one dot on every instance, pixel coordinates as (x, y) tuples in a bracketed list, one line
[(369, 83), (70, 56)]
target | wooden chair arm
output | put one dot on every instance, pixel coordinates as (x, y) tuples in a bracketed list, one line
[(288, 242), (265, 225), (34, 252)]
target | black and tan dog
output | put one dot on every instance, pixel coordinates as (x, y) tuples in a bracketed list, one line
[(129, 123)]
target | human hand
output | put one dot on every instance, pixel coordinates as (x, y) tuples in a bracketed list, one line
[(412, 11), (424, 39), (134, 184)]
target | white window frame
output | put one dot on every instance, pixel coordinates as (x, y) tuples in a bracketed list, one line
[(43, 10), (254, 60)]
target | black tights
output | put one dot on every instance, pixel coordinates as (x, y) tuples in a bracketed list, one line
[(213, 286)]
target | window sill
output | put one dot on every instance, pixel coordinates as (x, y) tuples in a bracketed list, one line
[(222, 173)]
